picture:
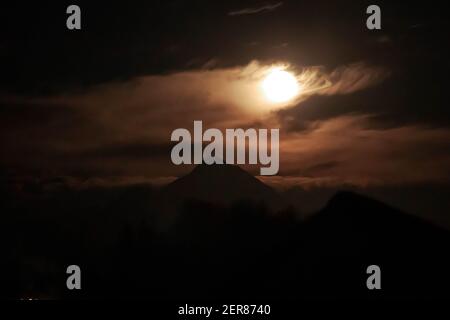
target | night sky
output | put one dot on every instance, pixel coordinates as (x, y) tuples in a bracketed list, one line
[(96, 106)]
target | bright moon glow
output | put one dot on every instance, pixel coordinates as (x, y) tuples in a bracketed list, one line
[(280, 86)]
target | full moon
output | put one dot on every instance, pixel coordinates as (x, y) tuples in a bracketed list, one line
[(280, 86)]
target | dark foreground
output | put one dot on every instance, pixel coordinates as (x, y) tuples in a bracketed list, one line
[(129, 245)]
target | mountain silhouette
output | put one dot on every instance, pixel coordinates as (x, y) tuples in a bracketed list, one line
[(248, 249), (359, 222), (220, 184), (353, 231)]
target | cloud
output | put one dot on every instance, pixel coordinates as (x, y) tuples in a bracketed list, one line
[(354, 77), (123, 129), (345, 150), (246, 11), (316, 80)]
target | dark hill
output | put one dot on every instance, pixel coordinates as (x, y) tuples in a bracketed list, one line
[(220, 184), (356, 222), (352, 232)]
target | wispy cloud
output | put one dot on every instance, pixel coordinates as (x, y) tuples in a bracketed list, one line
[(316, 80), (269, 7), (354, 77)]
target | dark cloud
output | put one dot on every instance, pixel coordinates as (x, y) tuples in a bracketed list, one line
[(264, 8), (129, 151), (320, 168)]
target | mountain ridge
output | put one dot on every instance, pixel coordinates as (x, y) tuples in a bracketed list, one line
[(221, 184)]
